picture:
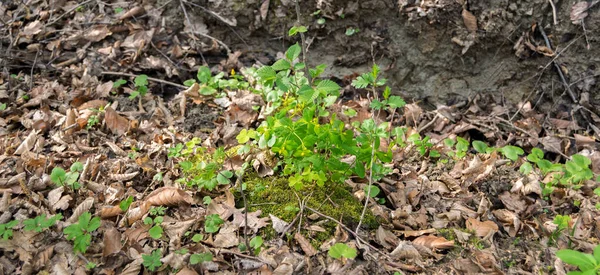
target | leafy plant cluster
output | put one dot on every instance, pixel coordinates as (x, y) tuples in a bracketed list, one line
[(212, 84), (571, 174), (79, 233), (301, 130)]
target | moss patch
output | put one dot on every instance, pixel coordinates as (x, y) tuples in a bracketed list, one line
[(274, 196)]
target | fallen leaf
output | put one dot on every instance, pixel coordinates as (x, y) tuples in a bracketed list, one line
[(433, 242), (114, 122)]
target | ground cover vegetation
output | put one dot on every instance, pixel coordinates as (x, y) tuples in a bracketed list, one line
[(305, 173)]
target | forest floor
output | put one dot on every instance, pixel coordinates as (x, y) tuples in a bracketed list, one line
[(131, 140)]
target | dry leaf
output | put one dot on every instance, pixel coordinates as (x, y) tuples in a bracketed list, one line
[(470, 20), (308, 249), (97, 33), (112, 242), (83, 207), (116, 124), (482, 229), (579, 12), (433, 242), (169, 196), (27, 144)]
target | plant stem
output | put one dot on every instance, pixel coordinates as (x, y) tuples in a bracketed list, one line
[(303, 40)]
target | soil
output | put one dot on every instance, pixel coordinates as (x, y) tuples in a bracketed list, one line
[(416, 50)]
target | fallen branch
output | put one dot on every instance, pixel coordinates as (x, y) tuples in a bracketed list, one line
[(149, 78)]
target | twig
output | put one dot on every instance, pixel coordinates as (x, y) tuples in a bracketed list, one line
[(193, 28), (67, 12), (149, 78), (362, 215), (557, 66), (33, 67), (553, 12), (303, 40)]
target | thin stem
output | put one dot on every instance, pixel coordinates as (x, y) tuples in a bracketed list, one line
[(303, 40)]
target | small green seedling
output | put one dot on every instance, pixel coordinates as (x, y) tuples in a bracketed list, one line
[(152, 261), (141, 84), (62, 178), (197, 237), (511, 152), (156, 230), (256, 243), (92, 121), (351, 31), (6, 229), (80, 232), (297, 29), (201, 258), (213, 223), (124, 204), (2, 106), (587, 264), (39, 223), (339, 250), (562, 224)]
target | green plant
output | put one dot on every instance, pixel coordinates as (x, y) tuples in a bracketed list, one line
[(62, 178), (39, 223), (197, 238), (423, 145), (256, 243), (213, 223), (562, 224), (462, 146), (297, 29), (152, 261), (119, 83), (511, 152), (587, 264), (6, 229), (141, 84), (480, 146), (124, 204), (209, 84), (80, 232), (577, 170), (350, 31), (90, 265), (339, 250), (92, 121), (2, 106), (118, 10), (201, 258), (156, 230)]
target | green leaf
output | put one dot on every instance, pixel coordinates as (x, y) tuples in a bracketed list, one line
[(155, 232), (222, 179), (293, 52), (204, 75), (58, 176), (297, 29), (434, 154), (536, 155), (359, 169), (449, 142), (597, 254), (124, 204), (197, 238), (119, 83), (141, 80), (328, 87), (189, 82), (77, 167), (152, 261), (526, 168), (339, 250), (307, 94), (361, 82), (581, 161), (281, 65), (511, 152), (267, 74), (480, 146), (207, 90), (213, 223), (577, 258), (256, 242), (201, 258), (374, 191), (387, 92), (81, 243), (396, 102)]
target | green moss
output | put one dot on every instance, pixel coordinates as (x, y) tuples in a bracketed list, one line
[(274, 196)]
